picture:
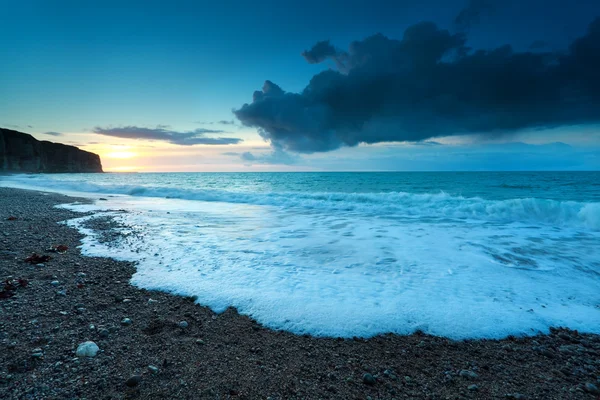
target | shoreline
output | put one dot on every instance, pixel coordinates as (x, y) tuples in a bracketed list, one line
[(229, 355)]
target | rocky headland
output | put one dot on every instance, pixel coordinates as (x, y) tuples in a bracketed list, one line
[(22, 153)]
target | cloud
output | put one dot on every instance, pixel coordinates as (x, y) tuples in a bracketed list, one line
[(428, 85), (53, 133), (221, 122), (275, 157), (471, 14), (319, 52), (162, 133)]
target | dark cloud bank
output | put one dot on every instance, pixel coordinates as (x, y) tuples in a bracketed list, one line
[(427, 85), (162, 133)]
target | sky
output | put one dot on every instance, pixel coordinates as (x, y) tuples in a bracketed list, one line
[(308, 85)]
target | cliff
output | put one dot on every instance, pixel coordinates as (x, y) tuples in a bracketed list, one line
[(20, 152)]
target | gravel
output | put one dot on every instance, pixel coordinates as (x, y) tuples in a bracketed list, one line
[(228, 355)]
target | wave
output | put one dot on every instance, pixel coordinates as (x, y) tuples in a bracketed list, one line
[(390, 204)]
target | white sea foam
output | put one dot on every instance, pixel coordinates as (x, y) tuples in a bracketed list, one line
[(348, 274)]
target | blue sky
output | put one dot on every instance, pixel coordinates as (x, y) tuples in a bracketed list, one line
[(81, 68)]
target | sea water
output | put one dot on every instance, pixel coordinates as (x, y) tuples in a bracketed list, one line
[(461, 255)]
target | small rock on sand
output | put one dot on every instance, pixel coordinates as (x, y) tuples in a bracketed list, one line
[(465, 373), (133, 381), (87, 349), (591, 388), (369, 379)]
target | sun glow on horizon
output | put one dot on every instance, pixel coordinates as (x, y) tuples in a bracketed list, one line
[(120, 154)]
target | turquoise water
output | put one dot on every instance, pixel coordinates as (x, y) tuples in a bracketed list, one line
[(576, 186), (470, 254)]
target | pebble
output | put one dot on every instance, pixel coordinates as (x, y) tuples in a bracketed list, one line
[(126, 321), (133, 381), (591, 388), (37, 353), (62, 292), (183, 324), (54, 283), (473, 387), (103, 333), (516, 396), (465, 373), (151, 301), (87, 349), (40, 265), (153, 369), (369, 379), (199, 341)]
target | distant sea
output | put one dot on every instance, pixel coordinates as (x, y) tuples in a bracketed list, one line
[(461, 255)]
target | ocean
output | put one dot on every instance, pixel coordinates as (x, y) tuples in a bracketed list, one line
[(460, 255)]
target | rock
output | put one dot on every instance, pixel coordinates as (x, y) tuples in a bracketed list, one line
[(153, 369), (473, 387), (54, 283), (37, 353), (465, 373), (369, 379), (591, 388), (199, 341), (126, 322), (103, 333), (20, 152), (183, 324), (87, 349), (133, 381)]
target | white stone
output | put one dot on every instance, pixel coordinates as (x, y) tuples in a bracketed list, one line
[(87, 349)]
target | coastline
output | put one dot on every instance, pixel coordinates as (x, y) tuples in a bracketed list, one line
[(229, 355)]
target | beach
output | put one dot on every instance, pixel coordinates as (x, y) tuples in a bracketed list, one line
[(156, 345)]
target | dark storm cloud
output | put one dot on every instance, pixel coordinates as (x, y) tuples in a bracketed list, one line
[(319, 52), (427, 85), (162, 133), (471, 14), (53, 133)]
